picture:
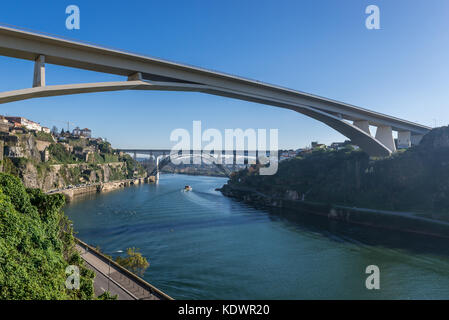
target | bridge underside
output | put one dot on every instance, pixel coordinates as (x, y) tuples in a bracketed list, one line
[(144, 73), (358, 136)]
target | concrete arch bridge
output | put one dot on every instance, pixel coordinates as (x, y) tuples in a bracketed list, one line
[(163, 157), (145, 73)]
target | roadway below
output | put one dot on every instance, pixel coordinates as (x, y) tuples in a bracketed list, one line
[(110, 278)]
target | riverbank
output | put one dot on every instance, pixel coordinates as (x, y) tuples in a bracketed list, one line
[(101, 187), (203, 245), (401, 221)]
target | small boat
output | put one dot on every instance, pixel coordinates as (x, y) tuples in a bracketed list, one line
[(187, 188)]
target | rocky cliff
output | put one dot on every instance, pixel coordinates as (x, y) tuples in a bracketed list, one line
[(60, 175), (415, 180), (41, 161)]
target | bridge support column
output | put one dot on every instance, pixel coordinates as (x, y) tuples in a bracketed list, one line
[(157, 168), (135, 156), (39, 72), (385, 135), (135, 76), (363, 125), (404, 139)]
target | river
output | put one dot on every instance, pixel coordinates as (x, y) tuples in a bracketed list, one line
[(202, 245)]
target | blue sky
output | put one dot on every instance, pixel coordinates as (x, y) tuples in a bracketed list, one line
[(320, 47)]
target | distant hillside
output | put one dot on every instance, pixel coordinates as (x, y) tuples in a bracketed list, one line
[(413, 180), (42, 161)]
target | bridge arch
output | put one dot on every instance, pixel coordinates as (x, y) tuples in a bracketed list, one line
[(359, 137), (166, 159), (145, 73)]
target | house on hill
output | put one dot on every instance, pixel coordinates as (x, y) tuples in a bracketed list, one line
[(24, 123), (85, 133)]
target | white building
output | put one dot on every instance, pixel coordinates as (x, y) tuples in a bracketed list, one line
[(86, 133), (25, 123), (76, 132)]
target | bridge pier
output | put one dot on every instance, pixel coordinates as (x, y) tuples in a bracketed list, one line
[(39, 72), (157, 169), (363, 125), (135, 77), (404, 139), (384, 134)]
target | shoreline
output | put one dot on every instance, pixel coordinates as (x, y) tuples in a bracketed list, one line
[(391, 220), (101, 187)]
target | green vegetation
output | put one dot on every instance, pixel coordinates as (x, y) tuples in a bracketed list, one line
[(134, 261), (105, 147), (42, 169), (80, 161), (116, 174), (414, 180), (61, 155), (9, 167), (107, 296), (132, 166), (43, 136), (108, 158), (36, 245)]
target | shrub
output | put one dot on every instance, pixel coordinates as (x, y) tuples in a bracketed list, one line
[(36, 245), (134, 261), (60, 154)]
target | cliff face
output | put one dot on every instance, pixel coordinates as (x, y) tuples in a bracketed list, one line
[(42, 162), (415, 180), (24, 146), (58, 176)]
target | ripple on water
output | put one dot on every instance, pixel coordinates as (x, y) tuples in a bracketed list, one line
[(203, 245)]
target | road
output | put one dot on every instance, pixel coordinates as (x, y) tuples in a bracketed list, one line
[(102, 284), (109, 276)]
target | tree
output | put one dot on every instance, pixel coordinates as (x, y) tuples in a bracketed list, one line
[(134, 261), (54, 131)]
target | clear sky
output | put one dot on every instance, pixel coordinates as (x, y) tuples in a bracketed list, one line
[(320, 47)]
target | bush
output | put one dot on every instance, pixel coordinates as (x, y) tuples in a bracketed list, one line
[(59, 154), (36, 245), (107, 296), (43, 136), (134, 261)]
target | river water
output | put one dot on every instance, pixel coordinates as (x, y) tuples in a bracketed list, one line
[(202, 245)]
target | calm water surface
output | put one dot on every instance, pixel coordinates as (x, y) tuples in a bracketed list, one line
[(202, 245)]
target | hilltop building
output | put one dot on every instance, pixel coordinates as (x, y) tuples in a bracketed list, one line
[(85, 133), (316, 145), (288, 154), (25, 123), (338, 145)]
